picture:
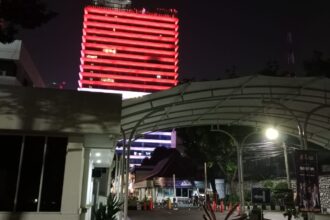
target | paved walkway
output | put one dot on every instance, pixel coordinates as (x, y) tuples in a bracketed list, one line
[(196, 214)]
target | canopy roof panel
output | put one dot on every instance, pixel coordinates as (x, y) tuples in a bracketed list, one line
[(257, 101)]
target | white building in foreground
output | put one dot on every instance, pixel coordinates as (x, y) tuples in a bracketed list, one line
[(50, 142)]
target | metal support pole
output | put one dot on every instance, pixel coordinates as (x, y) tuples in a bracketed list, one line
[(285, 149), (240, 177), (110, 178), (116, 171), (121, 181), (122, 165), (307, 120), (205, 180), (120, 176), (128, 147), (174, 189)]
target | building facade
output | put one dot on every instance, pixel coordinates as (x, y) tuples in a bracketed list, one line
[(127, 51)]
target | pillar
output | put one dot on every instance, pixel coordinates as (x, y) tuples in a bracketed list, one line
[(73, 174)]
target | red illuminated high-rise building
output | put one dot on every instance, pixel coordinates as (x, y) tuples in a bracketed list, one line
[(132, 52), (128, 51)]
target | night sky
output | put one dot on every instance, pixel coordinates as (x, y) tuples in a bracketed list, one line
[(214, 36)]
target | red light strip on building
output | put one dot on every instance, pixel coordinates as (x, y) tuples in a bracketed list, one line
[(83, 68), (88, 24), (130, 49), (128, 63), (131, 14), (128, 42), (131, 78), (129, 35), (125, 85), (130, 56), (122, 46), (131, 21)]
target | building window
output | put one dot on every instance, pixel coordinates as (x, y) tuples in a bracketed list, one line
[(184, 192), (9, 164), (32, 173), (52, 184), (178, 192), (8, 68)]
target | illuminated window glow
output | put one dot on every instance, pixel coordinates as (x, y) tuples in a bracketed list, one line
[(133, 49), (108, 50), (91, 56), (107, 80)]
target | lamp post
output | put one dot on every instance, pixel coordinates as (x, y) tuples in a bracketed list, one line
[(273, 134)]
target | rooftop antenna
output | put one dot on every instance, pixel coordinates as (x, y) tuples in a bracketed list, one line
[(291, 57)]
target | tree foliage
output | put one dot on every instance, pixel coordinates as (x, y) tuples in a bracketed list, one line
[(110, 210), (27, 14), (271, 69), (317, 65), (214, 148)]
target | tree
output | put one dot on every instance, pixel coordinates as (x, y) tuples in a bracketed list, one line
[(212, 147), (231, 72), (271, 69), (317, 65), (27, 14)]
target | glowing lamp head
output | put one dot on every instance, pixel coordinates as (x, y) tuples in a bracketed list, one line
[(272, 133)]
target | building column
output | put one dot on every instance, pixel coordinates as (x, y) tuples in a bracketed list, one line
[(87, 186), (73, 174)]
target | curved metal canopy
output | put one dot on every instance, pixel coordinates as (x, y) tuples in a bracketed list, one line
[(253, 101)]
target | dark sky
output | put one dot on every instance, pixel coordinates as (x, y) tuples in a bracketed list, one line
[(214, 35)]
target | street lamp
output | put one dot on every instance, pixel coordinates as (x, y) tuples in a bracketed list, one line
[(272, 134)]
